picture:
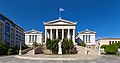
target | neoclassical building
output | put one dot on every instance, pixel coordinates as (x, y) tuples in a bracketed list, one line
[(59, 29), (33, 36), (88, 37)]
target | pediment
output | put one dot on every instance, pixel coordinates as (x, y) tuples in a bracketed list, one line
[(87, 32), (33, 32), (60, 22)]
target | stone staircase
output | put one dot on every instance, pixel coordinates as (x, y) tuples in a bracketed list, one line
[(82, 51), (31, 52)]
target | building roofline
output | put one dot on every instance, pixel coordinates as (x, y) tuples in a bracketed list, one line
[(11, 20)]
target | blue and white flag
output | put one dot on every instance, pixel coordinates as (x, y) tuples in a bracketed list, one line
[(61, 9)]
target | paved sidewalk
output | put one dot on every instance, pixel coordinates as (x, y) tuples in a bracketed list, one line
[(80, 59), (57, 57)]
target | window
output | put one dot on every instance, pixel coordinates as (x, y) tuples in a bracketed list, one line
[(112, 42), (30, 38), (83, 37), (115, 41), (118, 41), (109, 42), (35, 37)]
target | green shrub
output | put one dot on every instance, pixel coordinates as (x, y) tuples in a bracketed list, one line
[(111, 49), (82, 44), (10, 51), (103, 46), (3, 49), (118, 45), (35, 44), (67, 46)]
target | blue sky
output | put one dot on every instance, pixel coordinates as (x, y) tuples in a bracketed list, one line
[(102, 16)]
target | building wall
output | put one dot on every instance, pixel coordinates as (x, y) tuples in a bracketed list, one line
[(101, 42), (9, 35), (107, 42), (1, 31), (27, 39), (92, 38)]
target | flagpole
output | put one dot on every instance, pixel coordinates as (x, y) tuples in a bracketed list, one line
[(59, 14)]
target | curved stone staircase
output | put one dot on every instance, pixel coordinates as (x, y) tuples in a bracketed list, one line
[(82, 51), (31, 52)]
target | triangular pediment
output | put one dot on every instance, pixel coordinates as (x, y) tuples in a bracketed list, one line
[(87, 32), (33, 32), (60, 22)]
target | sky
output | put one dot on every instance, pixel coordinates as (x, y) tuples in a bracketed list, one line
[(101, 16)]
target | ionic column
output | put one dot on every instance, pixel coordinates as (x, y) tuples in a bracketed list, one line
[(45, 35), (34, 37), (51, 34), (62, 33), (68, 34), (56, 33), (73, 37)]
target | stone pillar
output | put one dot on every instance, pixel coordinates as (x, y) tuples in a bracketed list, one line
[(34, 38), (68, 34), (56, 33), (73, 36), (62, 34), (87, 38), (48, 35), (51, 34), (45, 35)]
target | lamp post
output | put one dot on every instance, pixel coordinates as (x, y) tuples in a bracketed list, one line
[(20, 51)]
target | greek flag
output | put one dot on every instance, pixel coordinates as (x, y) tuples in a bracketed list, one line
[(61, 9)]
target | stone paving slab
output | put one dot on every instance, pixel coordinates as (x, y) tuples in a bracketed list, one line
[(100, 59), (57, 57)]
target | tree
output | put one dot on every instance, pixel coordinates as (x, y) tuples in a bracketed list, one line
[(118, 45), (103, 46), (3, 49), (55, 46), (67, 46), (82, 44), (35, 44), (49, 44), (10, 51), (111, 49)]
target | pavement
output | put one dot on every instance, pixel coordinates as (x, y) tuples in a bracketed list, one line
[(60, 59)]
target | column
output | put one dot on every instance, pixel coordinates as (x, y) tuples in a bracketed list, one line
[(51, 34), (73, 36), (48, 36), (68, 34), (34, 37), (56, 33), (45, 35), (62, 34)]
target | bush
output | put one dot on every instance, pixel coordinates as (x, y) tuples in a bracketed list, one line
[(35, 44), (10, 51), (67, 46), (82, 44), (111, 49), (3, 49), (103, 46), (24, 47), (118, 45)]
